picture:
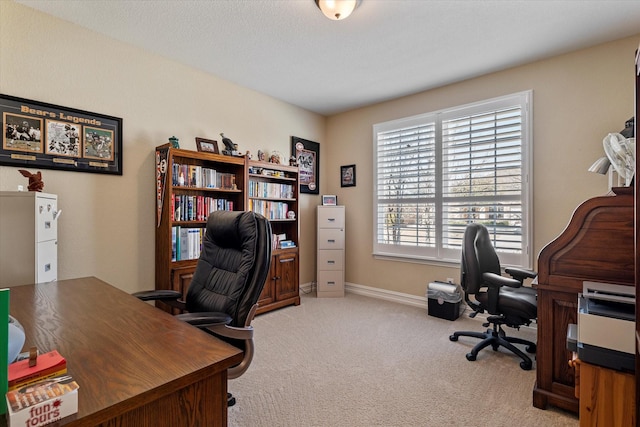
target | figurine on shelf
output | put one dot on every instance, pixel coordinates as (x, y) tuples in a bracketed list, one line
[(261, 156), (175, 143), (231, 149), (292, 161), (248, 155), (275, 158), (35, 180)]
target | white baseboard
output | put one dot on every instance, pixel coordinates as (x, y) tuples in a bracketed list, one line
[(384, 294), (399, 297)]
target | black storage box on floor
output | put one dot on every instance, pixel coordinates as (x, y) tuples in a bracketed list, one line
[(443, 300)]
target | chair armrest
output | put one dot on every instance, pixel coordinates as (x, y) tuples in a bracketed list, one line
[(158, 295), (498, 281), (205, 319), (233, 332), (169, 297), (520, 274), (217, 324)]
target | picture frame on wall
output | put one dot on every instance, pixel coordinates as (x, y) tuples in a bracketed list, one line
[(307, 155), (46, 136), (348, 176), (207, 145), (329, 200)]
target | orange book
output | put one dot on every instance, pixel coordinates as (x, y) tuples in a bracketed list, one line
[(46, 365)]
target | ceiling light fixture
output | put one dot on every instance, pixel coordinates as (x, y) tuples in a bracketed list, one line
[(337, 10)]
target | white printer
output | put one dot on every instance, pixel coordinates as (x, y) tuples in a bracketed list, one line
[(606, 325)]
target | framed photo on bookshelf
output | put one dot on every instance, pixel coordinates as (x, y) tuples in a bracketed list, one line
[(307, 155), (207, 145), (47, 136)]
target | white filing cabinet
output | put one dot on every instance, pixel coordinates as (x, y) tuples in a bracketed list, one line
[(28, 237), (330, 251)]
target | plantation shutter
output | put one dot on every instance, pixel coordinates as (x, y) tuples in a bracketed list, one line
[(436, 173)]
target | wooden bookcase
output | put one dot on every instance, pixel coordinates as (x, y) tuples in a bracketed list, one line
[(189, 184), (273, 191)]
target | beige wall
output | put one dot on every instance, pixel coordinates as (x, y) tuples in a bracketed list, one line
[(107, 228), (577, 99)]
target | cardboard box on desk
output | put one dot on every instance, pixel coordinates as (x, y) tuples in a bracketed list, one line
[(42, 403)]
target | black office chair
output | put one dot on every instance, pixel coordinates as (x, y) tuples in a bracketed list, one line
[(506, 300), (229, 278)]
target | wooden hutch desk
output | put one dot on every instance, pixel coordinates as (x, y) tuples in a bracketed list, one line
[(597, 245)]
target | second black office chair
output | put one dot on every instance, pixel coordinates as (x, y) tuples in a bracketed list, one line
[(229, 278), (506, 300)]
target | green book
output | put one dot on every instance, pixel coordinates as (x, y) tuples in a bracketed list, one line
[(4, 348)]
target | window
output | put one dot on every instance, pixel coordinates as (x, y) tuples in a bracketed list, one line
[(437, 172)]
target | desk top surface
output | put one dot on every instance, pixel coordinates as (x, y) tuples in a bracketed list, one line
[(122, 352)]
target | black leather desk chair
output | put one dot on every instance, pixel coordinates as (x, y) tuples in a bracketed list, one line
[(506, 300), (230, 275)]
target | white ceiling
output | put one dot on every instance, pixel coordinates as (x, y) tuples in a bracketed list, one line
[(387, 48)]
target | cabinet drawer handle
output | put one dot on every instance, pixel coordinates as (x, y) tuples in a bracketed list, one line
[(331, 262), (331, 240), (331, 283), (331, 219), (287, 260)]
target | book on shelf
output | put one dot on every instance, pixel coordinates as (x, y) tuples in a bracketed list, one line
[(186, 242), (287, 244), (47, 365), (42, 402)]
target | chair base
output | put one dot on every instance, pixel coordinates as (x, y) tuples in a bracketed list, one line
[(230, 400), (496, 338)]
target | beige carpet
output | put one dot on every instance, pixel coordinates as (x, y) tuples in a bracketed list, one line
[(359, 361)]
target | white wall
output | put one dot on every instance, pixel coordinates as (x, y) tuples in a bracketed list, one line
[(107, 229), (577, 99)]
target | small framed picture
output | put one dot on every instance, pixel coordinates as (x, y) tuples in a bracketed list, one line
[(329, 200), (348, 176), (207, 145)]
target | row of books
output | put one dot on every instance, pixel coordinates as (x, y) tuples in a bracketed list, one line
[(196, 208), (186, 243), (201, 177), (269, 209), (40, 393), (270, 190)]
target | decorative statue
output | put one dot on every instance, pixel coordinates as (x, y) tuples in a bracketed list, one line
[(175, 143), (293, 161), (230, 149), (35, 180), (274, 158), (261, 156)]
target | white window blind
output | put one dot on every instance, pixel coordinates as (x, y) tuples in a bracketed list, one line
[(437, 172)]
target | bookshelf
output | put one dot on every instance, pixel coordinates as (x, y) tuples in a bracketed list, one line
[(273, 191), (189, 185)]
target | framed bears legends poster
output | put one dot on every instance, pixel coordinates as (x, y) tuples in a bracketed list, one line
[(47, 136)]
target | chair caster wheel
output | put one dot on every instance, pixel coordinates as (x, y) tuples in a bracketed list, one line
[(230, 400), (453, 338), (471, 357), (531, 348), (526, 365)]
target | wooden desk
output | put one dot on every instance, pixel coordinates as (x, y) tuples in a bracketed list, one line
[(597, 246), (607, 397), (136, 365)]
